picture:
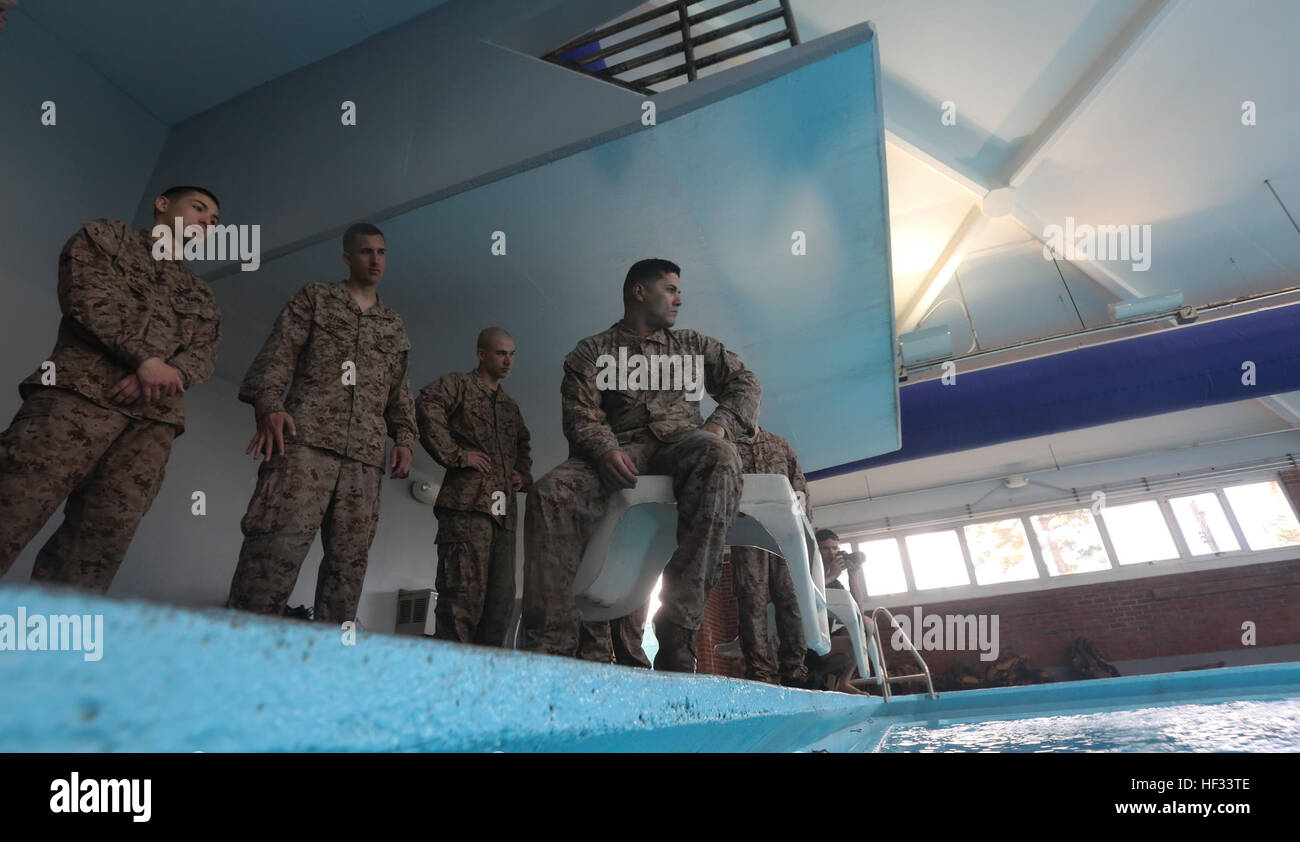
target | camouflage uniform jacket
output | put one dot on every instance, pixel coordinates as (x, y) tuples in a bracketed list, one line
[(343, 408), (597, 420), (460, 412), (120, 307), (767, 453)]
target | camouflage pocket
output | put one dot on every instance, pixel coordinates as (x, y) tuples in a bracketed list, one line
[(452, 558), (334, 326), (388, 350), (454, 527), (191, 310), (291, 494), (40, 404), (479, 411)]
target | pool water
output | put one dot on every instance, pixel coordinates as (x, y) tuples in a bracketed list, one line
[(1235, 726)]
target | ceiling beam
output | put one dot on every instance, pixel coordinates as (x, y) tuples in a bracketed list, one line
[(1285, 405), (1096, 270), (1086, 89), (972, 182), (964, 236), (942, 270), (1070, 107)]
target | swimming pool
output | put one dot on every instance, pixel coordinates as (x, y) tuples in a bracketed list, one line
[(1236, 709)]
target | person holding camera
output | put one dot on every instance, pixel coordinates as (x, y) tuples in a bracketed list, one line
[(836, 668)]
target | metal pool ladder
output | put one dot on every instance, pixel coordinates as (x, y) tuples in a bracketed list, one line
[(884, 677)]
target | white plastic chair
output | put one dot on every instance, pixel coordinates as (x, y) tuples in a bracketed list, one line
[(635, 539), (866, 648), (841, 605)]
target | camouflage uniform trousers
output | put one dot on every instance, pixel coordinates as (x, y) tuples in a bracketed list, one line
[(757, 578), (305, 490), (109, 468), (565, 505), (476, 578), (619, 641)]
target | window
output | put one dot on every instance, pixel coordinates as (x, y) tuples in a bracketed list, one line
[(937, 560), (999, 551), (1204, 524), (884, 567), (1264, 515), (1139, 533), (1070, 542), (1255, 515)]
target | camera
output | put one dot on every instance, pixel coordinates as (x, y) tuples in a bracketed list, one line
[(851, 560)]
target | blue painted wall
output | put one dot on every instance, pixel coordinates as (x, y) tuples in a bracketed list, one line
[(719, 185), (438, 105)]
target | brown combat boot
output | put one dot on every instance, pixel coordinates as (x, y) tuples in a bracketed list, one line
[(676, 648), (795, 678)]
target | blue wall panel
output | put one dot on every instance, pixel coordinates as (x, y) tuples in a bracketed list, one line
[(1196, 365)]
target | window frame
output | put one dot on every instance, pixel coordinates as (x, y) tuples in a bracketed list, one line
[(1184, 562)]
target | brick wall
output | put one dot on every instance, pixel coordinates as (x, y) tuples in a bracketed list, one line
[(1181, 614), (720, 625), (1291, 483)]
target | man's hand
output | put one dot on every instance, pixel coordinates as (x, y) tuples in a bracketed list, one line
[(838, 566), (616, 469), (271, 429), (478, 460), (400, 462), (126, 392), (159, 380), (714, 428), (516, 481)]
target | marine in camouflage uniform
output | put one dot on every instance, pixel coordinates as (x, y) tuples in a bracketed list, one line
[(615, 427), (475, 430), (88, 430), (759, 577), (615, 641), (346, 371)]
